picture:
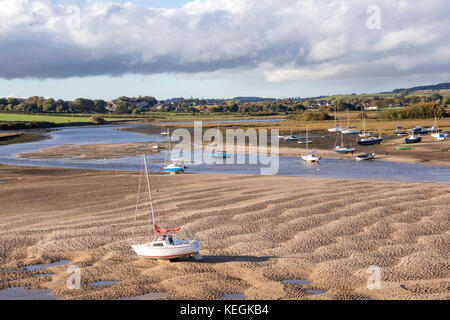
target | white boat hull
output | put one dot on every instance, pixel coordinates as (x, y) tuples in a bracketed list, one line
[(167, 251), (334, 130), (351, 131), (311, 158)]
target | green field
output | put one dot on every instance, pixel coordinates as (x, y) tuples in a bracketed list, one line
[(13, 117)]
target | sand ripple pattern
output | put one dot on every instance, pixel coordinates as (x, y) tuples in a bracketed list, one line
[(255, 231)]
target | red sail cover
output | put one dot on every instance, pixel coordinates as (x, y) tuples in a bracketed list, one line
[(159, 230)]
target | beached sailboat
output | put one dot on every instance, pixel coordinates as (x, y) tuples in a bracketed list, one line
[(440, 136), (291, 137), (349, 129), (412, 139), (306, 141), (310, 156), (418, 130), (341, 148), (164, 245), (176, 166), (155, 146), (399, 130), (335, 128), (369, 140), (436, 132), (164, 132)]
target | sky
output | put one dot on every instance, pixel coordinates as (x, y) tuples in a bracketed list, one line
[(220, 48)]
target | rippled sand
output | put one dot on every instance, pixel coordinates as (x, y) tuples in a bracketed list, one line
[(255, 231)]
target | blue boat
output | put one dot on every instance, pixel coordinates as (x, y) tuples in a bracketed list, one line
[(344, 150), (412, 139), (418, 130), (219, 154), (369, 141), (174, 168)]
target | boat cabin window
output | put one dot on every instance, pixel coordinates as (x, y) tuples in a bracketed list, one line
[(158, 245)]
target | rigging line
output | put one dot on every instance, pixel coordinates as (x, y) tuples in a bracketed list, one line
[(137, 202), (149, 191)]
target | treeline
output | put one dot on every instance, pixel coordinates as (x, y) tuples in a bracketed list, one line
[(290, 106), (258, 108), (122, 105), (380, 102), (50, 105), (422, 110)]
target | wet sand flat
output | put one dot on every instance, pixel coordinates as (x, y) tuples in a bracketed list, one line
[(254, 231)]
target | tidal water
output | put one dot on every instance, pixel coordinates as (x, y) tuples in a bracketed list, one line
[(285, 165)]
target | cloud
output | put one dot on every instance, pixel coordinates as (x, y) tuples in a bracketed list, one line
[(282, 40)]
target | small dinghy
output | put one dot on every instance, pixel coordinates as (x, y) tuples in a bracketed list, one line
[(412, 139), (366, 156), (311, 157), (164, 246), (219, 154), (291, 137)]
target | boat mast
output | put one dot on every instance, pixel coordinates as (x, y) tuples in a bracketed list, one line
[(335, 107), (307, 144), (363, 121), (149, 191), (170, 150), (348, 120)]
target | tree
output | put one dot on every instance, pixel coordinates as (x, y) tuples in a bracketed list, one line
[(98, 120), (436, 97), (83, 105), (49, 105)]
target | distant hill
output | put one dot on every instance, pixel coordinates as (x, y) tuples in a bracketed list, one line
[(440, 86), (252, 99)]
